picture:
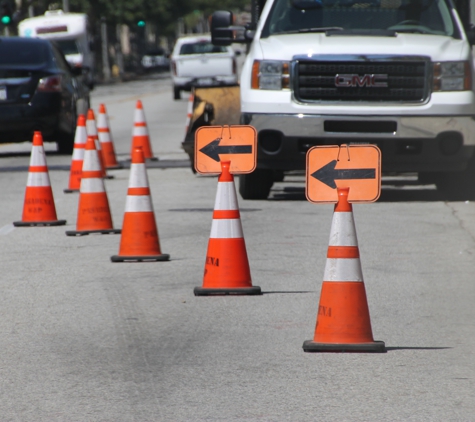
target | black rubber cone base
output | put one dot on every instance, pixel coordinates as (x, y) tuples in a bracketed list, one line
[(200, 291), (86, 232), (39, 223), (143, 258), (116, 167), (374, 347), (70, 190)]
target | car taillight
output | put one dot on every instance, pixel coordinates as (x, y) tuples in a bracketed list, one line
[(50, 84), (174, 68)]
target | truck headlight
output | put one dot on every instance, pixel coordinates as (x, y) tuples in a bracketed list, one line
[(270, 75), (452, 76)]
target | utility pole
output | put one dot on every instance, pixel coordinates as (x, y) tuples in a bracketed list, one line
[(66, 6), (106, 71)]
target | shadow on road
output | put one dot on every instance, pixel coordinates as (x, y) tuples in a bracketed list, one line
[(390, 349), (391, 191)]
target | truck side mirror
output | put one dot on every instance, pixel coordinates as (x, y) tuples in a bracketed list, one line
[(471, 35), (221, 34)]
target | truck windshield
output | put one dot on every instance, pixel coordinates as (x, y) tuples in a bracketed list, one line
[(68, 46), (201, 48), (361, 16)]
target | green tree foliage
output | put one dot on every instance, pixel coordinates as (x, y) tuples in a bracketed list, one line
[(163, 14)]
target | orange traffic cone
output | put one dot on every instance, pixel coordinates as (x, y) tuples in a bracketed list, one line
[(78, 155), (226, 267), (189, 111), (38, 208), (93, 211), (140, 137), (343, 322), (108, 151), (91, 130), (139, 240)]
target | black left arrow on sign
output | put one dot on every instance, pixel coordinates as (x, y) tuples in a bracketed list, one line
[(213, 149), (328, 174)]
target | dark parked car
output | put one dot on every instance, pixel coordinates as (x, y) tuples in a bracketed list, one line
[(39, 91)]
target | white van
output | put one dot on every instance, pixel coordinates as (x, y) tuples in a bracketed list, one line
[(70, 31)]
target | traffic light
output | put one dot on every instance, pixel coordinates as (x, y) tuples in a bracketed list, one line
[(141, 23), (6, 11)]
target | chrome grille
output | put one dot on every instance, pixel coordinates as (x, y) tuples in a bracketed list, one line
[(315, 81)]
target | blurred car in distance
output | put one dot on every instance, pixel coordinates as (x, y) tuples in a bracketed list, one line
[(156, 59), (195, 61), (39, 91)]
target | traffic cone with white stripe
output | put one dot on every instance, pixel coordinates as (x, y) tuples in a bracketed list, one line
[(38, 208), (139, 240), (108, 151), (78, 155), (227, 266), (343, 321), (94, 214), (140, 136), (91, 129)]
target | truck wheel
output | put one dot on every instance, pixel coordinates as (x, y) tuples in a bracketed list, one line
[(65, 143), (176, 93), (256, 185), (458, 186)]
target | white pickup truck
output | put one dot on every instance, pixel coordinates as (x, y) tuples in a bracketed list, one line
[(197, 62), (395, 73)]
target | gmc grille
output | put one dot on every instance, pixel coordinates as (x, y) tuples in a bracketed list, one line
[(315, 81)]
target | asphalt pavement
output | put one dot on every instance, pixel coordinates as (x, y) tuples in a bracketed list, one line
[(85, 339)]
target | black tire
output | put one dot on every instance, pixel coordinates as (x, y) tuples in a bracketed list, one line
[(176, 93), (458, 186), (65, 143), (256, 185)]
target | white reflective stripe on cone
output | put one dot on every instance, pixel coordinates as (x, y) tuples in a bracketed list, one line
[(140, 131), (80, 136), (38, 179), (91, 161), (138, 203), (91, 128), (226, 228), (92, 185), (138, 176), (226, 198), (78, 154), (343, 269), (139, 116), (104, 137), (343, 231), (38, 156)]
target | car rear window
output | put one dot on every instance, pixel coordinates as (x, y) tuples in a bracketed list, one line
[(16, 53), (201, 48)]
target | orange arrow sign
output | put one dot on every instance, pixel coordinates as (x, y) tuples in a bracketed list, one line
[(357, 167), (214, 144)]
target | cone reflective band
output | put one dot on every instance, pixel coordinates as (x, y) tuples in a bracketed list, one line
[(38, 207), (140, 136), (105, 139), (91, 130), (139, 240), (226, 266), (343, 321), (77, 159), (93, 210)]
